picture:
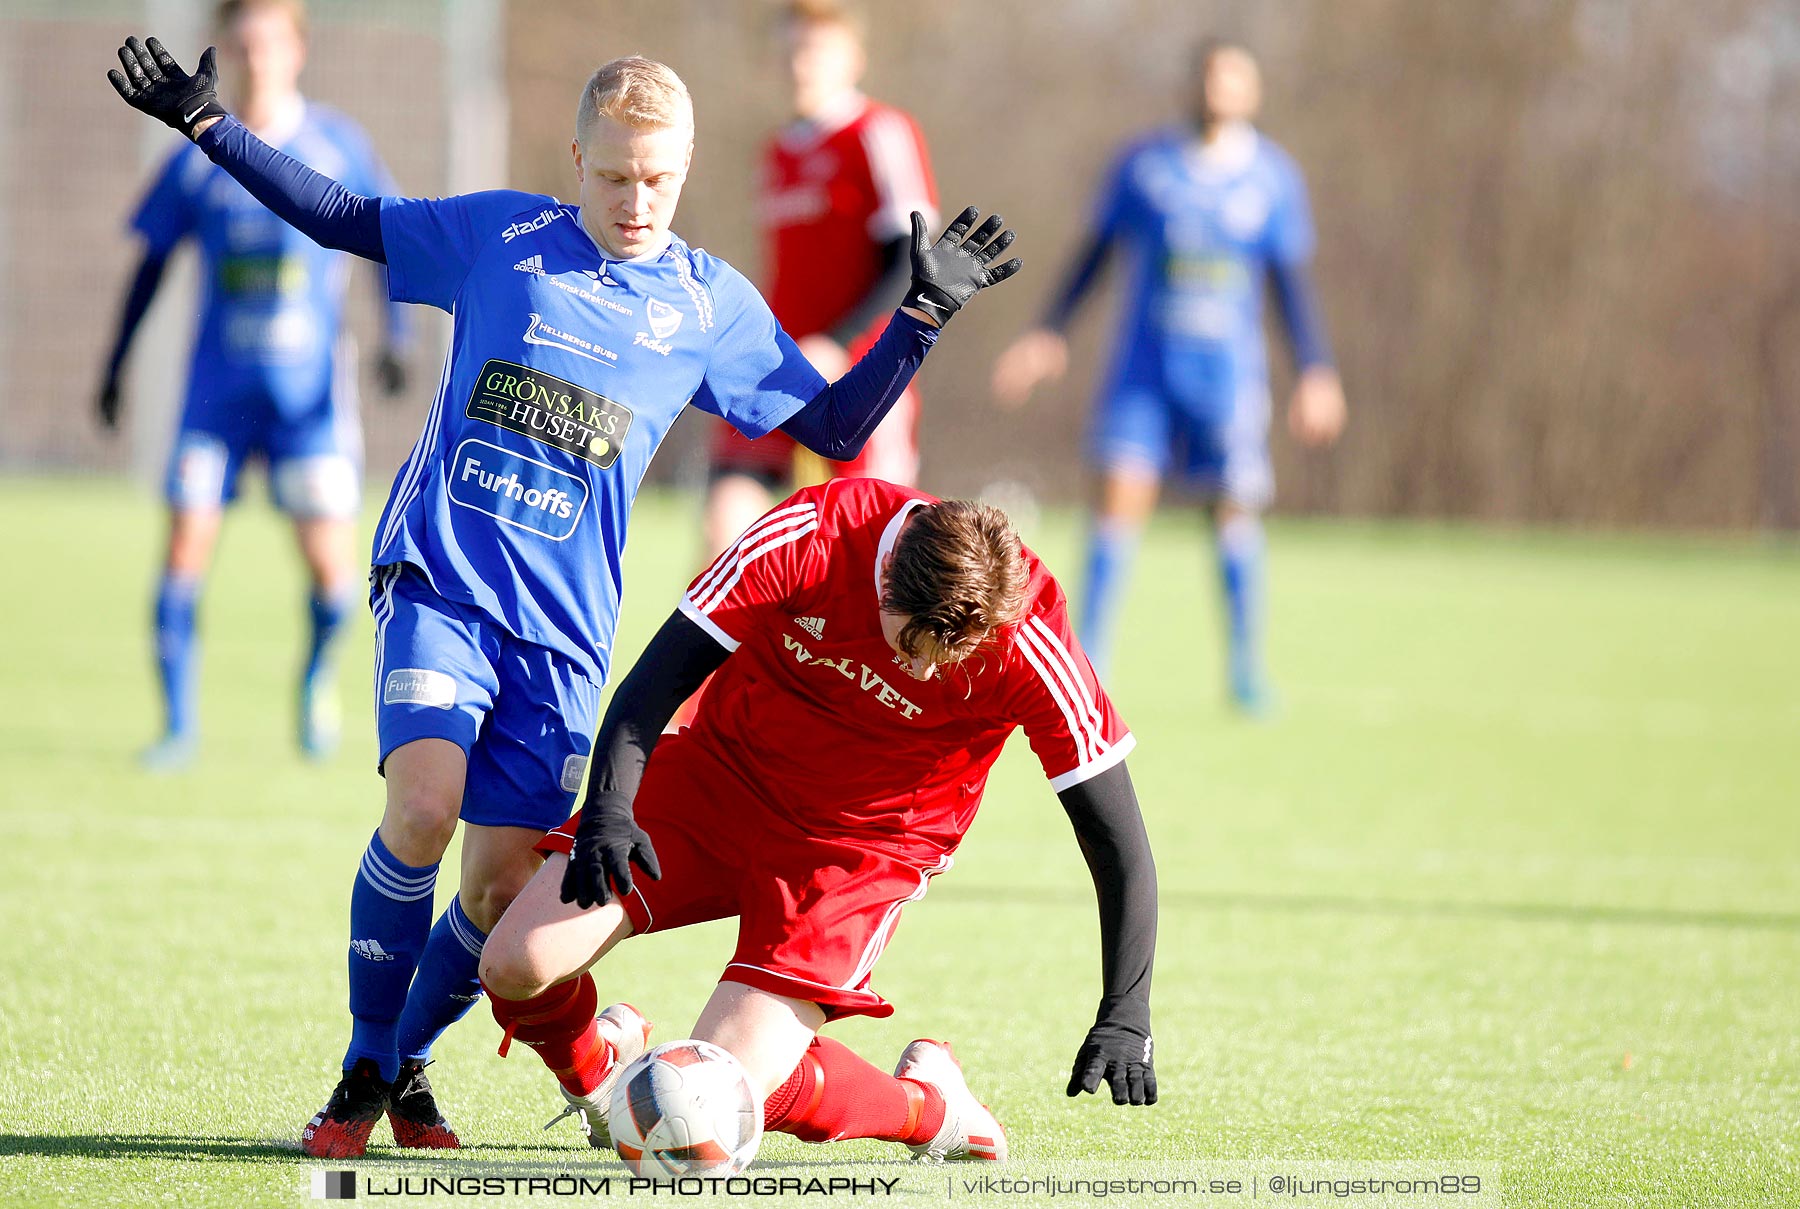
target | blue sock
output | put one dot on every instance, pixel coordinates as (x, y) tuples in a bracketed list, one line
[(328, 614), (1111, 547), (390, 917), (1240, 549), (177, 657), (446, 985)]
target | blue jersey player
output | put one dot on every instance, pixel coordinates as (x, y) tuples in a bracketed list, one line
[(1202, 214), (270, 375), (580, 333)]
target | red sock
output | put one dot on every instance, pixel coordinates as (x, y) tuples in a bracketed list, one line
[(833, 1095), (559, 1025)]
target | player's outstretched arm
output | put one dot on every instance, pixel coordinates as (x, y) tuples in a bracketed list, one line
[(608, 840), (311, 202), (837, 421), (1110, 829)]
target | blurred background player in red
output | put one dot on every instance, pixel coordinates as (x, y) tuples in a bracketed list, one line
[(836, 187)]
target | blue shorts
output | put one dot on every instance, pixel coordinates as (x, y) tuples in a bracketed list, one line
[(523, 714), (314, 454), (1223, 451)]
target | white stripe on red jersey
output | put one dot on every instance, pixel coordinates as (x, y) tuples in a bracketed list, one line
[(769, 542), (729, 566), (1093, 768), (1064, 665), (897, 168), (1087, 745)]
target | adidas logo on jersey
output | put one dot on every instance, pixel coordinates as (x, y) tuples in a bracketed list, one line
[(370, 950), (812, 625), (531, 264)]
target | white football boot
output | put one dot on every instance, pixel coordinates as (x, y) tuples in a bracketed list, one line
[(625, 1027), (970, 1133)]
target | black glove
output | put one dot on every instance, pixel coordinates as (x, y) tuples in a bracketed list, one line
[(608, 842), (154, 83), (1117, 1049), (109, 402), (392, 372), (947, 274)]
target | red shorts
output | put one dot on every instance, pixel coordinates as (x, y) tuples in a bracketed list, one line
[(891, 452), (770, 458), (814, 913)]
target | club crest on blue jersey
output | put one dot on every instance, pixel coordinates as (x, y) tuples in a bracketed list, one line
[(664, 319), (550, 410)]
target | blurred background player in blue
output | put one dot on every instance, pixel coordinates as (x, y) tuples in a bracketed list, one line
[(1204, 212), (272, 373)]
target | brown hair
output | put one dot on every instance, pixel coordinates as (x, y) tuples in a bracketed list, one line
[(958, 576), (640, 92), (229, 11)]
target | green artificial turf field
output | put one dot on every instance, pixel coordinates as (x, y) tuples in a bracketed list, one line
[(1513, 879)]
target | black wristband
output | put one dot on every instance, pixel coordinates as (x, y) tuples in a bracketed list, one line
[(212, 109), (934, 303)]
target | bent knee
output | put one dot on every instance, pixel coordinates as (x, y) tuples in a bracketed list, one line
[(485, 901), (418, 825), (510, 971)]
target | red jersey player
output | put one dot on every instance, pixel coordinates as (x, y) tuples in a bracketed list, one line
[(835, 190), (874, 648)]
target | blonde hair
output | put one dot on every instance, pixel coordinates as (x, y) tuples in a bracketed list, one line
[(639, 92)]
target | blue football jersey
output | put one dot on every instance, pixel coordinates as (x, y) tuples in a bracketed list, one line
[(272, 300), (1199, 231), (566, 369)]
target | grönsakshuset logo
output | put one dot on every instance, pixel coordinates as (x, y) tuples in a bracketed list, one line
[(550, 410)]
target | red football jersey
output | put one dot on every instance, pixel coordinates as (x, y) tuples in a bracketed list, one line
[(818, 714), (832, 191)]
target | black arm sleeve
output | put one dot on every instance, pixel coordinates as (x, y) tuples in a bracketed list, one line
[(1084, 270), (671, 669), (1110, 830), (883, 296), (310, 202), (137, 301), (838, 420)]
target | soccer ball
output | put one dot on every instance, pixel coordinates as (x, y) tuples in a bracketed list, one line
[(686, 1108)]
